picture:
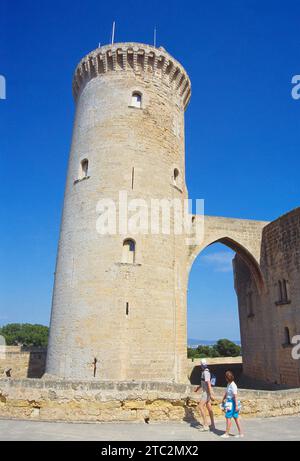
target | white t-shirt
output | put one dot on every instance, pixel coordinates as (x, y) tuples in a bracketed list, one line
[(231, 390), (205, 378)]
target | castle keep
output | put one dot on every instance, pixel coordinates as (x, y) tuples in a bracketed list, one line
[(119, 301)]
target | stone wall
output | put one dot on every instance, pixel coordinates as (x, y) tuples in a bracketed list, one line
[(23, 362), (128, 316), (265, 316), (117, 320), (126, 401), (30, 363)]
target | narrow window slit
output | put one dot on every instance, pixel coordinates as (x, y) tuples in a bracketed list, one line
[(95, 366), (176, 177), (132, 178), (287, 337)]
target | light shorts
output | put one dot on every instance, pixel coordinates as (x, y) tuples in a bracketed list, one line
[(205, 397)]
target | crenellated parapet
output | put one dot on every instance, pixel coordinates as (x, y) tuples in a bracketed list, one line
[(137, 58)]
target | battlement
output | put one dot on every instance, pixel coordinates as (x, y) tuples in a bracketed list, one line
[(133, 57)]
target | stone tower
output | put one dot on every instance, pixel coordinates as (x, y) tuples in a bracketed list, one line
[(118, 309)]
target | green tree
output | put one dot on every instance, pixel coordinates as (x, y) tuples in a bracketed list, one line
[(227, 348), (214, 351), (223, 348), (192, 353), (203, 351), (25, 334)]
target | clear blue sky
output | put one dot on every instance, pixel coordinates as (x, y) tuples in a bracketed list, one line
[(242, 129)]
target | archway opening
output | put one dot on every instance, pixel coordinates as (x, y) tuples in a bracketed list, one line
[(212, 302), (217, 318)]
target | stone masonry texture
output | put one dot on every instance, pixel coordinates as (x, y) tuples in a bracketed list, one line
[(119, 321), (267, 355), (22, 362), (65, 400)]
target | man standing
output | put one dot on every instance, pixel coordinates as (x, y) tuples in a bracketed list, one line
[(207, 396)]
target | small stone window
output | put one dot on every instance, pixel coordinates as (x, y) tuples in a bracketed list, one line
[(84, 168), (83, 172), (136, 100), (283, 296), (176, 176), (128, 255)]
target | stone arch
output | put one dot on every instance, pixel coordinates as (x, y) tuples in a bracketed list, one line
[(245, 255), (242, 236)]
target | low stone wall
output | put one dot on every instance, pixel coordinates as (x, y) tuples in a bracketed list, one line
[(44, 399), (216, 361), (23, 362)]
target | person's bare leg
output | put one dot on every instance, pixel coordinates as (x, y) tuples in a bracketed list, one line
[(211, 414), (228, 425), (238, 425), (203, 413)]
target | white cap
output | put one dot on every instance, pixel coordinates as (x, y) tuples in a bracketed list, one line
[(203, 362)]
